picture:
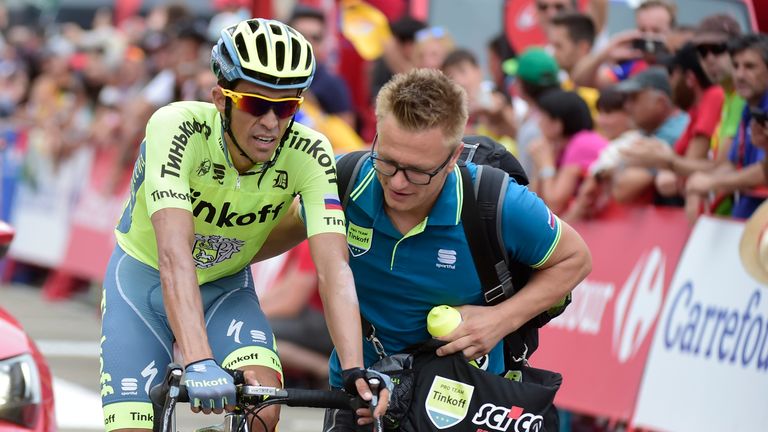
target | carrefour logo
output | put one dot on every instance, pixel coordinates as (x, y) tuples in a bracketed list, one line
[(729, 335), (638, 304)]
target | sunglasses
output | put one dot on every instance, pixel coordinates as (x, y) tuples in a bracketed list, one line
[(542, 7), (258, 105), (714, 48), (429, 32)]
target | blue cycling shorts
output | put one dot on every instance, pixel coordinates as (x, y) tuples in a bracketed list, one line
[(137, 341)]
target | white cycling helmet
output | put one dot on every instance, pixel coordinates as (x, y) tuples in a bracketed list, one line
[(264, 52)]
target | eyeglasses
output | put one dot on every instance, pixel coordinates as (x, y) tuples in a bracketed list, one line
[(714, 48), (542, 7), (258, 105), (416, 176)]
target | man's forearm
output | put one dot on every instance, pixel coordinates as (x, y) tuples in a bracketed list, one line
[(743, 179), (184, 306), (342, 314)]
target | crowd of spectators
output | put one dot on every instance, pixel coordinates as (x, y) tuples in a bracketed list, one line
[(659, 114)]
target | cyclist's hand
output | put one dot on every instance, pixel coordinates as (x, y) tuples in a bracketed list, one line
[(477, 334), (210, 388), (356, 381)]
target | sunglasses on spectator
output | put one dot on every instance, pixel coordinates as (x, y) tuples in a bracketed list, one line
[(434, 32), (258, 105), (542, 7), (714, 48)]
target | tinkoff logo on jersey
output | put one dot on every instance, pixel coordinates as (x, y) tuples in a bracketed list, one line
[(210, 250), (359, 239), (448, 402), (317, 150), (179, 142)]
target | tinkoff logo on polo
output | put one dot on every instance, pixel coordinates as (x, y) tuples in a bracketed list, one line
[(448, 402)]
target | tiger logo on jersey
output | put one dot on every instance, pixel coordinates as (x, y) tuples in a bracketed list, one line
[(210, 250)]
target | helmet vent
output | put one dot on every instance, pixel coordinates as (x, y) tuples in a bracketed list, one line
[(262, 50), (242, 49), (308, 63), (254, 25), (280, 55), (276, 29), (296, 53)]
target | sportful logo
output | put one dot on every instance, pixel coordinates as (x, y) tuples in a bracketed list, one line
[(638, 304), (258, 336), (446, 258), (500, 418), (448, 402), (210, 250), (129, 386)]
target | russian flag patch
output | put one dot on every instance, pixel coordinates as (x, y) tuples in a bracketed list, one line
[(550, 219), (332, 202)]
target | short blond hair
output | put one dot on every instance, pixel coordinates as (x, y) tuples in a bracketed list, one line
[(424, 99)]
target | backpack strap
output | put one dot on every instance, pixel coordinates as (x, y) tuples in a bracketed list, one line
[(480, 215), (347, 168)]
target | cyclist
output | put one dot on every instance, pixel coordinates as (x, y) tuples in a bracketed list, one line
[(210, 183)]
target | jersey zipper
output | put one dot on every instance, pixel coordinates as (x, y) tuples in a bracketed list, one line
[(237, 184)]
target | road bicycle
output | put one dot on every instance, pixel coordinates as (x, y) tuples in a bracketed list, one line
[(250, 401)]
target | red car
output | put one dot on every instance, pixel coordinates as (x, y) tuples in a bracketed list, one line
[(26, 386)]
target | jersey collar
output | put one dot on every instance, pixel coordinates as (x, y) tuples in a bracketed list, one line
[(368, 195)]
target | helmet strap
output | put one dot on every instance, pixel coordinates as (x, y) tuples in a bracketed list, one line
[(227, 127)]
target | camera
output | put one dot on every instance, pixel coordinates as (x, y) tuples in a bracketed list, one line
[(649, 45), (759, 116)]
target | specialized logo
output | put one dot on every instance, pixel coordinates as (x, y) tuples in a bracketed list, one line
[(446, 258), (234, 330), (210, 250), (204, 167), (317, 151), (359, 239), (227, 218), (149, 372), (172, 166), (500, 419), (448, 402), (281, 180), (638, 304)]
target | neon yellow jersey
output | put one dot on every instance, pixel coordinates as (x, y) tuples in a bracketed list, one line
[(184, 163)]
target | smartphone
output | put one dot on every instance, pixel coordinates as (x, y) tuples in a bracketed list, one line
[(759, 115), (650, 46)]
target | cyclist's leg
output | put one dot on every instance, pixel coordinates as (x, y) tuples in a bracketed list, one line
[(135, 343), (240, 336)]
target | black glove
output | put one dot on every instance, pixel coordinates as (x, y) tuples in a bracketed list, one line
[(350, 376)]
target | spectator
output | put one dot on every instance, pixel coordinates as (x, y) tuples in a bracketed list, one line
[(649, 103), (328, 89), (620, 59), (535, 73), (691, 90), (572, 36), (569, 147), (743, 172), (490, 112), (398, 53), (499, 51), (547, 10), (432, 46)]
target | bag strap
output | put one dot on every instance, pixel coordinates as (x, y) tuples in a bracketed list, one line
[(347, 168), (481, 220)]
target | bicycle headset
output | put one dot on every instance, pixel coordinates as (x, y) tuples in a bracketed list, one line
[(264, 52)]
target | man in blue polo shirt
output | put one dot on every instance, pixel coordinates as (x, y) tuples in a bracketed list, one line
[(407, 244)]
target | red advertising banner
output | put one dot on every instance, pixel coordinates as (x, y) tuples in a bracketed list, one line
[(601, 342), (93, 220)]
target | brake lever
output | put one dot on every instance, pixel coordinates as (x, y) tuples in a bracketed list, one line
[(374, 384)]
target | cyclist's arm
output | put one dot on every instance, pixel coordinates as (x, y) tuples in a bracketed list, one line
[(174, 232), (337, 290)]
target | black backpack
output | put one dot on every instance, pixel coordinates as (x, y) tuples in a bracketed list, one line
[(481, 217)]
